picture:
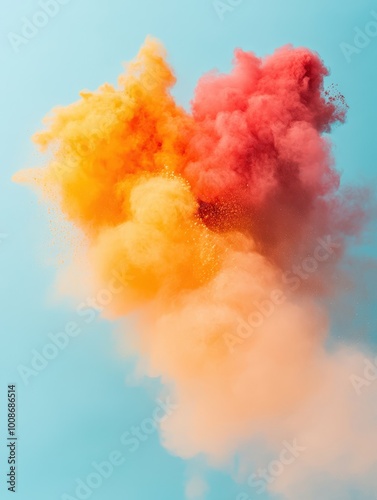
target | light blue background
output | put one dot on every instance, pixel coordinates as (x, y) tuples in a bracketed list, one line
[(75, 411)]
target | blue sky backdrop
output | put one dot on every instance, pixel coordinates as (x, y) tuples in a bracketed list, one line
[(75, 411)]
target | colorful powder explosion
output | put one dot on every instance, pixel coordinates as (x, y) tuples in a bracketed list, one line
[(226, 228)]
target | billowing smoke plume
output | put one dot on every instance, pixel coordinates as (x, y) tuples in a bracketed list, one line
[(224, 229)]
